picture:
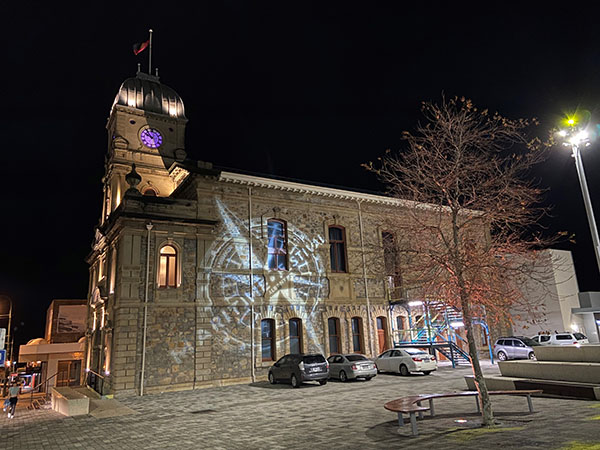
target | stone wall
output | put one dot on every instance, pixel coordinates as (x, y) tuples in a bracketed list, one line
[(204, 331)]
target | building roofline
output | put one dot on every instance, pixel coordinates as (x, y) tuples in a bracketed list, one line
[(270, 183)]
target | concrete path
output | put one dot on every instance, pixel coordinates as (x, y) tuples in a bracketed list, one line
[(338, 415)]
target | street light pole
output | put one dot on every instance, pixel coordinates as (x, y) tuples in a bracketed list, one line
[(576, 137), (587, 201)]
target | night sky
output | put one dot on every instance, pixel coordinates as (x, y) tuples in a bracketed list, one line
[(305, 91)]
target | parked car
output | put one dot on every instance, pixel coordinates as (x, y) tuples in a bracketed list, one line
[(514, 347), (350, 367), (298, 368), (406, 361), (566, 338)]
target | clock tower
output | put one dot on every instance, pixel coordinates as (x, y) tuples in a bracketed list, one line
[(146, 127)]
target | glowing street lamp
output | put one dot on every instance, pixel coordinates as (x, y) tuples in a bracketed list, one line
[(576, 138)]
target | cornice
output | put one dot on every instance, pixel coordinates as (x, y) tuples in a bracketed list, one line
[(249, 180)]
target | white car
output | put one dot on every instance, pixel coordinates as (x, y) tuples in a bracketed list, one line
[(405, 361), (566, 338)]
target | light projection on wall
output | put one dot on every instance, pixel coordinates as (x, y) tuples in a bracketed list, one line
[(296, 292)]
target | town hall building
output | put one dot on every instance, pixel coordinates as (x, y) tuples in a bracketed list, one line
[(202, 277)]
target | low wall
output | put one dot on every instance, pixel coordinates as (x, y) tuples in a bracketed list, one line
[(69, 402), (582, 372), (572, 353)]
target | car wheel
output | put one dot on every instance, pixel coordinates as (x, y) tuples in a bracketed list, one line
[(343, 376), (531, 355), (404, 370), (294, 382), (426, 372), (272, 379), (322, 382), (502, 356)]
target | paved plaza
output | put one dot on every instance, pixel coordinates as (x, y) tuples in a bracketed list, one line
[(338, 415)]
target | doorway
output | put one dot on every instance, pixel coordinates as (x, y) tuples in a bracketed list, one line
[(382, 333), (69, 373)]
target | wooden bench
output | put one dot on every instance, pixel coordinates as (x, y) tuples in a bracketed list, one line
[(412, 405)]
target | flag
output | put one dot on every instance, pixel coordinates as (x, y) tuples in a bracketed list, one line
[(140, 47)]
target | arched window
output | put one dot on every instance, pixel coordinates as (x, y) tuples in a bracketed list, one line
[(167, 267), (150, 192), (267, 327), (337, 248), (333, 324), (295, 336), (357, 335), (277, 241)]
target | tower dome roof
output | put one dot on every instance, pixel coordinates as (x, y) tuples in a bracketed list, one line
[(145, 92)]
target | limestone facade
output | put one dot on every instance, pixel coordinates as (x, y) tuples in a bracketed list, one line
[(212, 311)]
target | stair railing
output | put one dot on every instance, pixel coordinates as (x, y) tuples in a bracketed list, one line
[(38, 389)]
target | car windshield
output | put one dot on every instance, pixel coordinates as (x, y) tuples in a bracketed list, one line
[(356, 358), (579, 336), (414, 351), (530, 342), (313, 359)]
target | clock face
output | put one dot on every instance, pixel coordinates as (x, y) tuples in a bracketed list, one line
[(151, 137)]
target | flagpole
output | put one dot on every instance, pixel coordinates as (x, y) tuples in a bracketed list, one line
[(150, 55)]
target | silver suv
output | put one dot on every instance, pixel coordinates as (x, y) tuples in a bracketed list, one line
[(514, 347)]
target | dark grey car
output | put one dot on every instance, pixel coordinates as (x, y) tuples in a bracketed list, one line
[(297, 368)]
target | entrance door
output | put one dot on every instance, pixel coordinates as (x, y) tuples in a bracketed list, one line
[(68, 373), (382, 333)]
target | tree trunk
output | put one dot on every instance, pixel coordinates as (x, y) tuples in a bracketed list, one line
[(484, 398)]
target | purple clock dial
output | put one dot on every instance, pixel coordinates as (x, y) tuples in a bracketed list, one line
[(151, 138)]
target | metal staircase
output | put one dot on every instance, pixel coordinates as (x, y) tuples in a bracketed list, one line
[(435, 329)]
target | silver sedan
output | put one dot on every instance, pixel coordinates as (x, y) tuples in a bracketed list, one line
[(349, 367)]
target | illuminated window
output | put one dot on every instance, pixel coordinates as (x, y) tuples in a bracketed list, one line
[(277, 237), (167, 267), (357, 333), (295, 336), (337, 249), (267, 327), (333, 324)]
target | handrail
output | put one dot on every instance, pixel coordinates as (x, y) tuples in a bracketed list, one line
[(91, 381), (95, 373), (39, 386)]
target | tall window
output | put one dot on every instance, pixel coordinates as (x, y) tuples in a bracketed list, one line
[(277, 237), (167, 267), (357, 335), (337, 249), (400, 322), (295, 336), (334, 335), (391, 263), (267, 327)]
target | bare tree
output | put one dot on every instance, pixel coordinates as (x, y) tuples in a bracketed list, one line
[(469, 233)]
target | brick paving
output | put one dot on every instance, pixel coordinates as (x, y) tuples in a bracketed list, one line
[(339, 415)]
